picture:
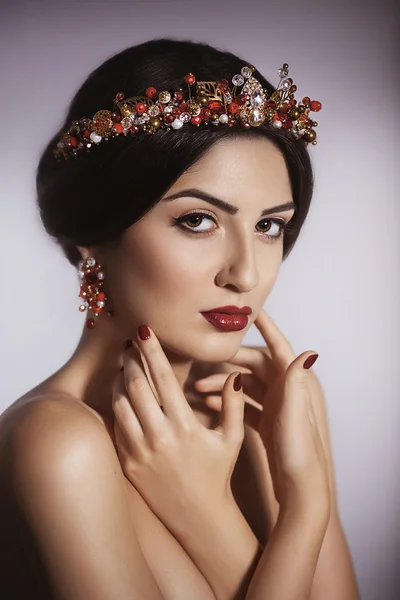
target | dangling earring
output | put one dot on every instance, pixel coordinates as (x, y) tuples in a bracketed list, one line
[(92, 278)]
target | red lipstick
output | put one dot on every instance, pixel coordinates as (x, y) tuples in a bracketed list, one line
[(228, 318), (230, 310)]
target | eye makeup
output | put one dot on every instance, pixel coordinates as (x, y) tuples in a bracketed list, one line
[(183, 221)]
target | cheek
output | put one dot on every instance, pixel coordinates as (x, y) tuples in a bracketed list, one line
[(165, 265)]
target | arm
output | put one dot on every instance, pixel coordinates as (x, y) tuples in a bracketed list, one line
[(334, 577), (70, 486)]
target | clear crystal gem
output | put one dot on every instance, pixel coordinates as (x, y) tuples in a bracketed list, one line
[(185, 117), (246, 72), (154, 110), (164, 97), (100, 275), (237, 80), (283, 72), (286, 84), (126, 122), (256, 99), (91, 262), (256, 117)]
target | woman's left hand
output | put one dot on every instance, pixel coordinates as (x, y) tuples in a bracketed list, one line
[(178, 465)]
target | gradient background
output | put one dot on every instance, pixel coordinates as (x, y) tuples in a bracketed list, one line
[(338, 293)]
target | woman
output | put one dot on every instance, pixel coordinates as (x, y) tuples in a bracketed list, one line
[(144, 482)]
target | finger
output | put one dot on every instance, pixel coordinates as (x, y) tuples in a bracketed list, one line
[(297, 392), (166, 384), (125, 414), (232, 409), (281, 350), (251, 386), (140, 393), (252, 411)]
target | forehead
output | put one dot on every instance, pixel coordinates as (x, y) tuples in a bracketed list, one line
[(240, 165)]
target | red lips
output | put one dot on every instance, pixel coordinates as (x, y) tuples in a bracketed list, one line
[(230, 310)]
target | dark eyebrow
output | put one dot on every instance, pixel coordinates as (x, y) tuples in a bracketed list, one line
[(229, 208)]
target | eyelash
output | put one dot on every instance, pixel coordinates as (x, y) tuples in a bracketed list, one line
[(180, 220)]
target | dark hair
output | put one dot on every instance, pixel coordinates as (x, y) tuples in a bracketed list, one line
[(93, 199)]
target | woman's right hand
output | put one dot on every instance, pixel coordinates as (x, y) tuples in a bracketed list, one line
[(286, 422)]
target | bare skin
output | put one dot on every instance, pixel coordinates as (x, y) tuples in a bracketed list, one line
[(155, 276)]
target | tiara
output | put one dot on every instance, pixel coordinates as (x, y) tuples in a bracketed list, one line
[(212, 102)]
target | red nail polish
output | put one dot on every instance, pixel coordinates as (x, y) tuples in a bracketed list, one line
[(127, 344), (144, 332), (237, 382), (310, 361)]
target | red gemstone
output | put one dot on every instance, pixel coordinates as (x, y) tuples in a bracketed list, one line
[(151, 92), (134, 129), (140, 107), (100, 296), (233, 108), (90, 323), (169, 118), (282, 110), (306, 100), (73, 141), (97, 310), (315, 106), (91, 277), (178, 96), (116, 117), (118, 127), (287, 124), (190, 78), (216, 106), (120, 96), (240, 99), (195, 120), (206, 113)]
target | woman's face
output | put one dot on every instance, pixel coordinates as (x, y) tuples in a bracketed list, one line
[(165, 273)]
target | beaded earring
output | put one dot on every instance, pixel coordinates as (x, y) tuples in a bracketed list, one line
[(92, 278)]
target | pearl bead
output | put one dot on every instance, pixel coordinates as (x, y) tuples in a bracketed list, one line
[(177, 124), (95, 138), (223, 118)]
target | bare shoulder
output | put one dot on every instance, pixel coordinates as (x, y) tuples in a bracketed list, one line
[(67, 478)]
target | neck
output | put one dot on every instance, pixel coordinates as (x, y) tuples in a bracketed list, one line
[(90, 372)]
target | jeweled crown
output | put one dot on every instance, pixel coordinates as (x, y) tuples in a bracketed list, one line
[(212, 102)]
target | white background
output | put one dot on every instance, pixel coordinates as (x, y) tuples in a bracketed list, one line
[(338, 292)]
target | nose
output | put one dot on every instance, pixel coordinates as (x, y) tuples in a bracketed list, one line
[(239, 267)]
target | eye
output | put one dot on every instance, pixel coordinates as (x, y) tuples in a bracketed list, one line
[(190, 222)]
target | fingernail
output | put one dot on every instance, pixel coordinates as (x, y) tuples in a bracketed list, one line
[(127, 344), (237, 382), (310, 361), (144, 332)]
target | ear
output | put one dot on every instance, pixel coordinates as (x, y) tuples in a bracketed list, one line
[(85, 252)]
